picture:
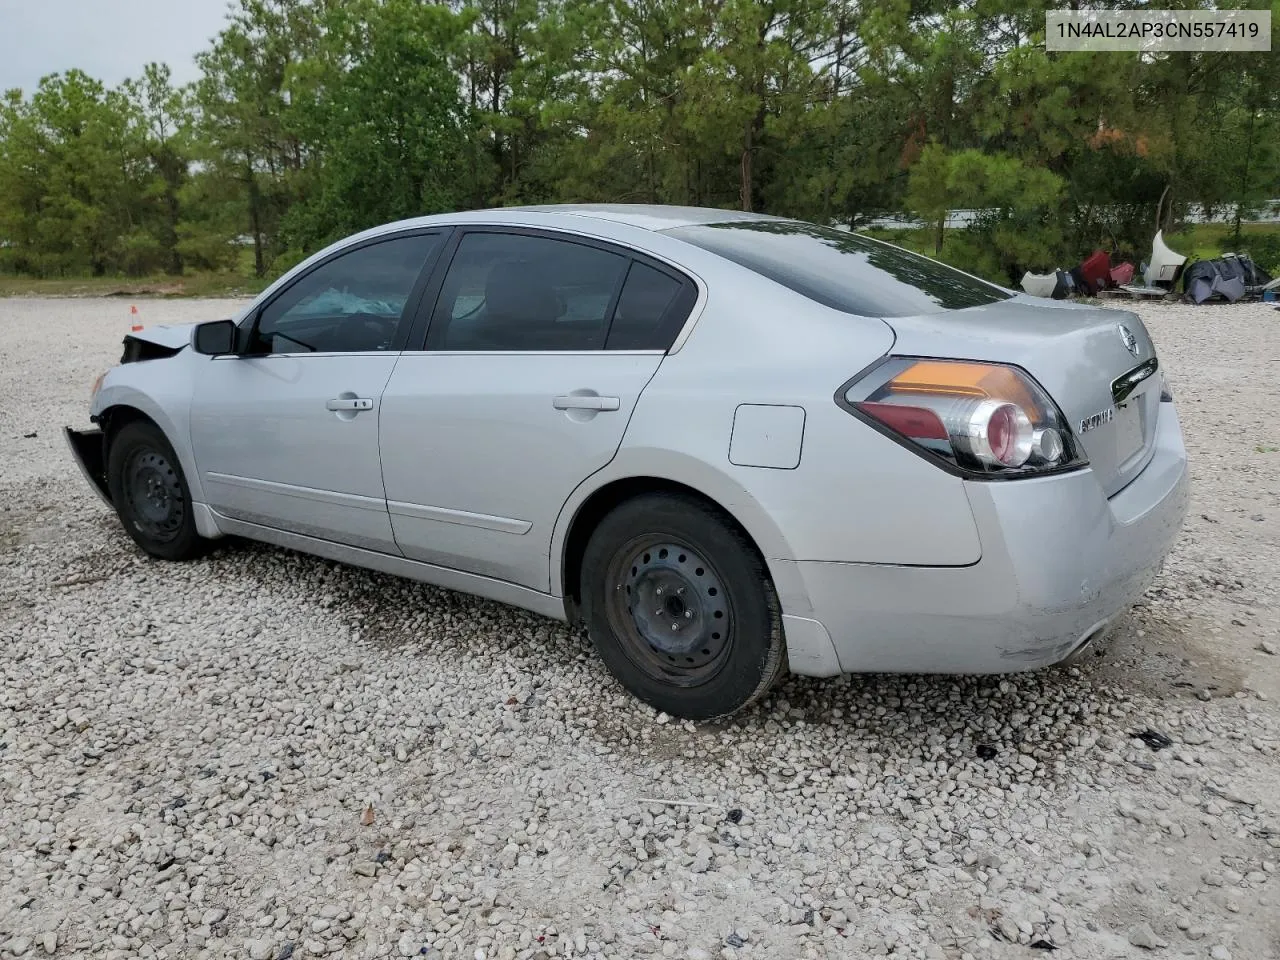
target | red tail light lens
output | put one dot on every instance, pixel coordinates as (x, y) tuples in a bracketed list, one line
[(983, 420)]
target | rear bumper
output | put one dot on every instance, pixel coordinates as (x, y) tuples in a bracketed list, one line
[(1059, 561), (89, 453)]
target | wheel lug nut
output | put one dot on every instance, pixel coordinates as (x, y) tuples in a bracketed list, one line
[(658, 591), (688, 614), (675, 626)]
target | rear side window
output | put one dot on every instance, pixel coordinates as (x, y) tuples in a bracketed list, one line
[(650, 311), (844, 271), (516, 292)]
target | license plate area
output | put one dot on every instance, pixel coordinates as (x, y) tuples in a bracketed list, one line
[(1129, 432)]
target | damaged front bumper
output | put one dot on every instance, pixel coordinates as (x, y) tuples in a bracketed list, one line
[(89, 452)]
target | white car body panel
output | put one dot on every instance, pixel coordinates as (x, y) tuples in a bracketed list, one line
[(478, 461), (268, 450), (464, 473)]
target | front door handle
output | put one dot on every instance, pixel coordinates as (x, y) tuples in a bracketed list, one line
[(588, 402), (349, 403)]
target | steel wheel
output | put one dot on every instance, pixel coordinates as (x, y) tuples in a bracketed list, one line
[(150, 493), (669, 607), (155, 495), (679, 604)]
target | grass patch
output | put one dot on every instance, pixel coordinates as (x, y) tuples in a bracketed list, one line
[(1207, 241), (188, 285)]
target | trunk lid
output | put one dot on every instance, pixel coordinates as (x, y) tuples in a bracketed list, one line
[(1076, 352)]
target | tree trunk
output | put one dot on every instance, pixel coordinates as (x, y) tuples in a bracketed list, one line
[(937, 235), (749, 138), (1160, 203), (255, 224), (171, 231), (1244, 180), (829, 185)]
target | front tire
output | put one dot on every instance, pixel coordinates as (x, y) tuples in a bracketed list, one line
[(150, 493), (680, 607)]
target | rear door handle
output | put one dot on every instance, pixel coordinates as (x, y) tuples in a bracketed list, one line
[(588, 402), (349, 403)]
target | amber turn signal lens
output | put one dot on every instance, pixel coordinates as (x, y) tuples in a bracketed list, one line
[(980, 381)]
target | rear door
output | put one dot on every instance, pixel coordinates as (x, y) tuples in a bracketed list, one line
[(538, 346), (285, 434)]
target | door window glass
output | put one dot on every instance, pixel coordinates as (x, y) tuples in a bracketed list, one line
[(524, 293), (355, 303), (650, 310)]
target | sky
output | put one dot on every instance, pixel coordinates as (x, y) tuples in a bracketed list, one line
[(107, 39)]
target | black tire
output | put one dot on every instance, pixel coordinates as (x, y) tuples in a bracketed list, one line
[(663, 564), (150, 493)]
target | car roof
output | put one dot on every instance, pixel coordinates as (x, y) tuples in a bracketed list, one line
[(649, 216)]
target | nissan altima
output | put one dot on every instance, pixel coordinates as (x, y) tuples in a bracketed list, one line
[(731, 445)]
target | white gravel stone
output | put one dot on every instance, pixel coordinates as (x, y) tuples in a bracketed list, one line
[(187, 750), (1143, 936)]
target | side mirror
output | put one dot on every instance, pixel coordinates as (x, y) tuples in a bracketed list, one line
[(215, 338)]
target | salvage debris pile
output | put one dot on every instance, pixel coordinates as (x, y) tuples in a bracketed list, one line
[(1230, 277)]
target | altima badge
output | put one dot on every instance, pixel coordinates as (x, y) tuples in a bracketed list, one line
[(1098, 419), (1130, 341)]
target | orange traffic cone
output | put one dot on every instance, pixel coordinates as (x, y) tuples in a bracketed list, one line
[(133, 311)]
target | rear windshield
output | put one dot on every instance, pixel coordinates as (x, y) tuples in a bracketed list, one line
[(842, 270)]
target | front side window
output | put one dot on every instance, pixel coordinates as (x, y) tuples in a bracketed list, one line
[(354, 303), (517, 292), (842, 270)]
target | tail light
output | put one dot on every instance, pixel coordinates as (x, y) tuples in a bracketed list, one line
[(982, 420)]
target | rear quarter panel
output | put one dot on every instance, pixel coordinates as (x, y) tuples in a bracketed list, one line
[(854, 496)]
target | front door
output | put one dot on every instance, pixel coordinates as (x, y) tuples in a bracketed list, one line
[(286, 433), (537, 351)]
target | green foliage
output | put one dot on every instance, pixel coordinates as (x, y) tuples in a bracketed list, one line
[(316, 118), (382, 122), (1205, 241), (1021, 222)]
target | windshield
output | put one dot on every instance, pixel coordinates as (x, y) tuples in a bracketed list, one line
[(842, 270)]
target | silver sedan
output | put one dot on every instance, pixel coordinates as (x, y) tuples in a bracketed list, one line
[(730, 444)]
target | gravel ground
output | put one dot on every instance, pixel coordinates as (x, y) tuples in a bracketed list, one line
[(265, 755)]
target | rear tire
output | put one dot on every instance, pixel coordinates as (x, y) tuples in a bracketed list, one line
[(150, 493), (680, 607)]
